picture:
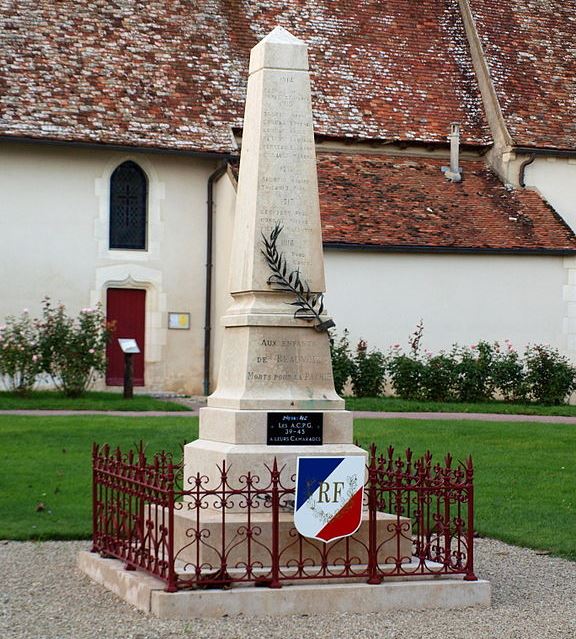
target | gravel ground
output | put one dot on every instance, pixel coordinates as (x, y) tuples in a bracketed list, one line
[(44, 596)]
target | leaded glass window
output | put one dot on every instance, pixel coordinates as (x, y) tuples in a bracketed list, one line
[(128, 204)]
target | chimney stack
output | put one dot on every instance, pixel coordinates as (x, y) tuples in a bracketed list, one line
[(454, 172)]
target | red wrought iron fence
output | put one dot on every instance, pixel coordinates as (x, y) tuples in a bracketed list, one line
[(417, 521)]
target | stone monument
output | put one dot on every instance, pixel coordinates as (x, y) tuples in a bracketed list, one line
[(275, 362), (275, 396)]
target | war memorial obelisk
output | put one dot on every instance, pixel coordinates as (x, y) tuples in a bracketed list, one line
[(275, 395)]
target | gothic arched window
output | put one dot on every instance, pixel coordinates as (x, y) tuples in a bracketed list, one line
[(128, 207)]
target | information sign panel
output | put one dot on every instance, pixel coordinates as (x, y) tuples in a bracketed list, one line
[(294, 429)]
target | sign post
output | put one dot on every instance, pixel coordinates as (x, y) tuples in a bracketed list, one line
[(129, 348)]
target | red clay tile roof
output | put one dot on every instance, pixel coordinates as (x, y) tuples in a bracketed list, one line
[(402, 202), (530, 46), (172, 74)]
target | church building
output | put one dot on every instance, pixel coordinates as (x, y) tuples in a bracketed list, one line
[(446, 155)]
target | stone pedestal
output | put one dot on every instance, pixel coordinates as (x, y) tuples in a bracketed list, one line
[(238, 438), (283, 365), (250, 426), (147, 594)]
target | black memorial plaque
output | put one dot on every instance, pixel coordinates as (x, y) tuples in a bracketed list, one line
[(294, 429)]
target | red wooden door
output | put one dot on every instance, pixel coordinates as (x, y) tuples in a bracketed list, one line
[(126, 308)]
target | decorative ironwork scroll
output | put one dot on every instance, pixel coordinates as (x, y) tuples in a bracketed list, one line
[(227, 530)]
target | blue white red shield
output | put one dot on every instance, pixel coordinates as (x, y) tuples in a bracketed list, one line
[(329, 495)]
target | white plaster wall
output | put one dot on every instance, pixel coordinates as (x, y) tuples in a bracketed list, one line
[(555, 179), (380, 297), (53, 241), (46, 213)]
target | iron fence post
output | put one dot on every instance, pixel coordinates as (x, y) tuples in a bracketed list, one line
[(95, 449), (470, 576), (447, 491), (373, 576), (224, 502), (275, 581), (172, 579)]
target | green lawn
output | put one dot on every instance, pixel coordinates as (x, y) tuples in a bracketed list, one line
[(393, 404), (52, 400), (525, 476), (47, 460), (525, 472)]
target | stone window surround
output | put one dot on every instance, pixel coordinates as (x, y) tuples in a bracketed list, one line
[(156, 193), (118, 268)]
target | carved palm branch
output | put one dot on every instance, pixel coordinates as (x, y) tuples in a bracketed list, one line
[(309, 305)]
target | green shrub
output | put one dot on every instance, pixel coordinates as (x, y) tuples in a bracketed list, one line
[(407, 371), (406, 374), (475, 368), (471, 374), (368, 371), (73, 350), (342, 364), (20, 360), (550, 377), (508, 373), (439, 377)]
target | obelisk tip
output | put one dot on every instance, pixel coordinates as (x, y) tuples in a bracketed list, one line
[(279, 50)]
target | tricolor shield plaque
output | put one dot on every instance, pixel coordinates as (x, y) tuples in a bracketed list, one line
[(329, 494)]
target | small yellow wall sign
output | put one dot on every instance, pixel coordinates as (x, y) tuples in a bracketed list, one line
[(179, 321)]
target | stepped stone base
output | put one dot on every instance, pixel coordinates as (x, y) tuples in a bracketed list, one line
[(147, 594), (211, 522)]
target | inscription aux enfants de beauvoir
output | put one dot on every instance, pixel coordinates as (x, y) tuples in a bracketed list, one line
[(288, 360)]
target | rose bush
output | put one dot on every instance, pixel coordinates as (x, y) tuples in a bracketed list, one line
[(73, 350), (368, 371), (342, 364), (477, 373), (550, 377), (20, 360)]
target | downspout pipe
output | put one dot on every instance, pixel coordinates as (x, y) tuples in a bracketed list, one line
[(214, 177), (522, 171)]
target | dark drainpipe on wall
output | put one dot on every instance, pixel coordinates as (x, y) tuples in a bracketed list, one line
[(214, 177), (522, 171)]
